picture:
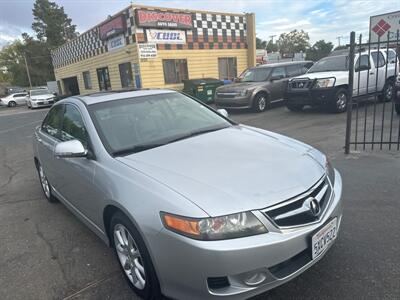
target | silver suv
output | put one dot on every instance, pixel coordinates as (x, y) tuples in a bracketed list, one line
[(259, 86), (195, 205)]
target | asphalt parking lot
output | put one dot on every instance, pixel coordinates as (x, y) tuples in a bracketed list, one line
[(46, 253)]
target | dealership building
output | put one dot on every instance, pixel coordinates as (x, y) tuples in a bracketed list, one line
[(153, 47)]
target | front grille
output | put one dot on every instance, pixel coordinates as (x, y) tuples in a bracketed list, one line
[(218, 282), (300, 84), (299, 210)]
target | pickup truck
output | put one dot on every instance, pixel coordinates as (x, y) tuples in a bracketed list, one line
[(326, 82)]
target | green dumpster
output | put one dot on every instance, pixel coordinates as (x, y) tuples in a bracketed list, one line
[(203, 88)]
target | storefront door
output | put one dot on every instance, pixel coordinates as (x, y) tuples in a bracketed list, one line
[(104, 79)]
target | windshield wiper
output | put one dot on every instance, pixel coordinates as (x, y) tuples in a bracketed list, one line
[(194, 133), (135, 149)]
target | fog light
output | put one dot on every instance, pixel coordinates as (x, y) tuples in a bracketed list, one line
[(255, 279)]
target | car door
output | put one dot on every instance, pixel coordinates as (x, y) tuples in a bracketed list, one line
[(278, 83), (364, 75), (20, 98), (47, 136), (380, 68), (75, 175)]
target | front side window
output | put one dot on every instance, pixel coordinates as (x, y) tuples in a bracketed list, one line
[(379, 60), (125, 72), (138, 124), (362, 63), (52, 123), (227, 68), (278, 72), (87, 80), (73, 127), (175, 70)]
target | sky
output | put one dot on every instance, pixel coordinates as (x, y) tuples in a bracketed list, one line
[(322, 19)]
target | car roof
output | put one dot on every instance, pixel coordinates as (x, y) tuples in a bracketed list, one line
[(118, 95), (283, 64)]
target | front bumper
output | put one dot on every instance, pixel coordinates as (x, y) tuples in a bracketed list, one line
[(183, 265), (237, 102), (41, 103), (312, 97)]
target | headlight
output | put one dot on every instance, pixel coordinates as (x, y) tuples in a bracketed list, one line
[(218, 228), (243, 93), (330, 172), (325, 83)]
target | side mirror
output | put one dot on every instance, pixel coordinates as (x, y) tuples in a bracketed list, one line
[(68, 149), (223, 112)]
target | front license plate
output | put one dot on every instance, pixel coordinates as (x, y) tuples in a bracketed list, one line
[(323, 238)]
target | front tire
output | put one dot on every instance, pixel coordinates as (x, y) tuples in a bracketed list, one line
[(388, 91), (260, 102), (339, 101), (134, 259), (45, 184)]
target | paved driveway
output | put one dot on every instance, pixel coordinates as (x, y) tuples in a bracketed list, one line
[(47, 254)]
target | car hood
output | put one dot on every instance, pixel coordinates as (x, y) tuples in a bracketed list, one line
[(42, 97), (336, 74), (237, 87), (231, 170)]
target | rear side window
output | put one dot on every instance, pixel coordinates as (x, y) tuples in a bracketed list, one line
[(379, 60), (52, 123), (73, 126), (278, 72)]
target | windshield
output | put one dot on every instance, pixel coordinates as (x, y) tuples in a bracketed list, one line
[(331, 63), (137, 124), (39, 92), (255, 74)]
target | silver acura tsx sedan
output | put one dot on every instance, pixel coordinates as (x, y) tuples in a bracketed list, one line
[(195, 205)]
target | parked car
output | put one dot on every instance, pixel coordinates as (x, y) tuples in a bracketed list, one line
[(259, 86), (195, 205), (396, 97), (40, 98), (326, 82), (14, 99)]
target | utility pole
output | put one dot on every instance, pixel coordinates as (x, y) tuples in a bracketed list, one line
[(272, 38), (27, 71), (339, 38)]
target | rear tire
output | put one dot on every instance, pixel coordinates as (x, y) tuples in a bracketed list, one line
[(339, 101), (12, 104), (387, 92), (295, 107), (397, 108), (260, 102), (133, 257)]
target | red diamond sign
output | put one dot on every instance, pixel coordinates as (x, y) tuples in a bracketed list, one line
[(381, 27)]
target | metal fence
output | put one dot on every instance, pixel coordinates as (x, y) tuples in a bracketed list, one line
[(372, 123)]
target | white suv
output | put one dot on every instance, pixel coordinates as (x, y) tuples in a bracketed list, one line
[(326, 82)]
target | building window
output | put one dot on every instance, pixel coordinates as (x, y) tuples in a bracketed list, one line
[(227, 68), (125, 72), (175, 70), (104, 79), (87, 80)]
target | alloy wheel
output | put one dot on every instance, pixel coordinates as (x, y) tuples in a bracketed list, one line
[(129, 256), (45, 184), (341, 101), (262, 103), (389, 92)]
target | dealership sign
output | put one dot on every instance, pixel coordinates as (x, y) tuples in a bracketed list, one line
[(383, 26), (116, 42), (112, 28), (163, 19), (163, 36), (147, 50)]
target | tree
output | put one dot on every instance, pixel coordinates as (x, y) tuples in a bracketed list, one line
[(51, 24), (12, 58), (260, 44), (319, 50), (293, 42), (271, 47)]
